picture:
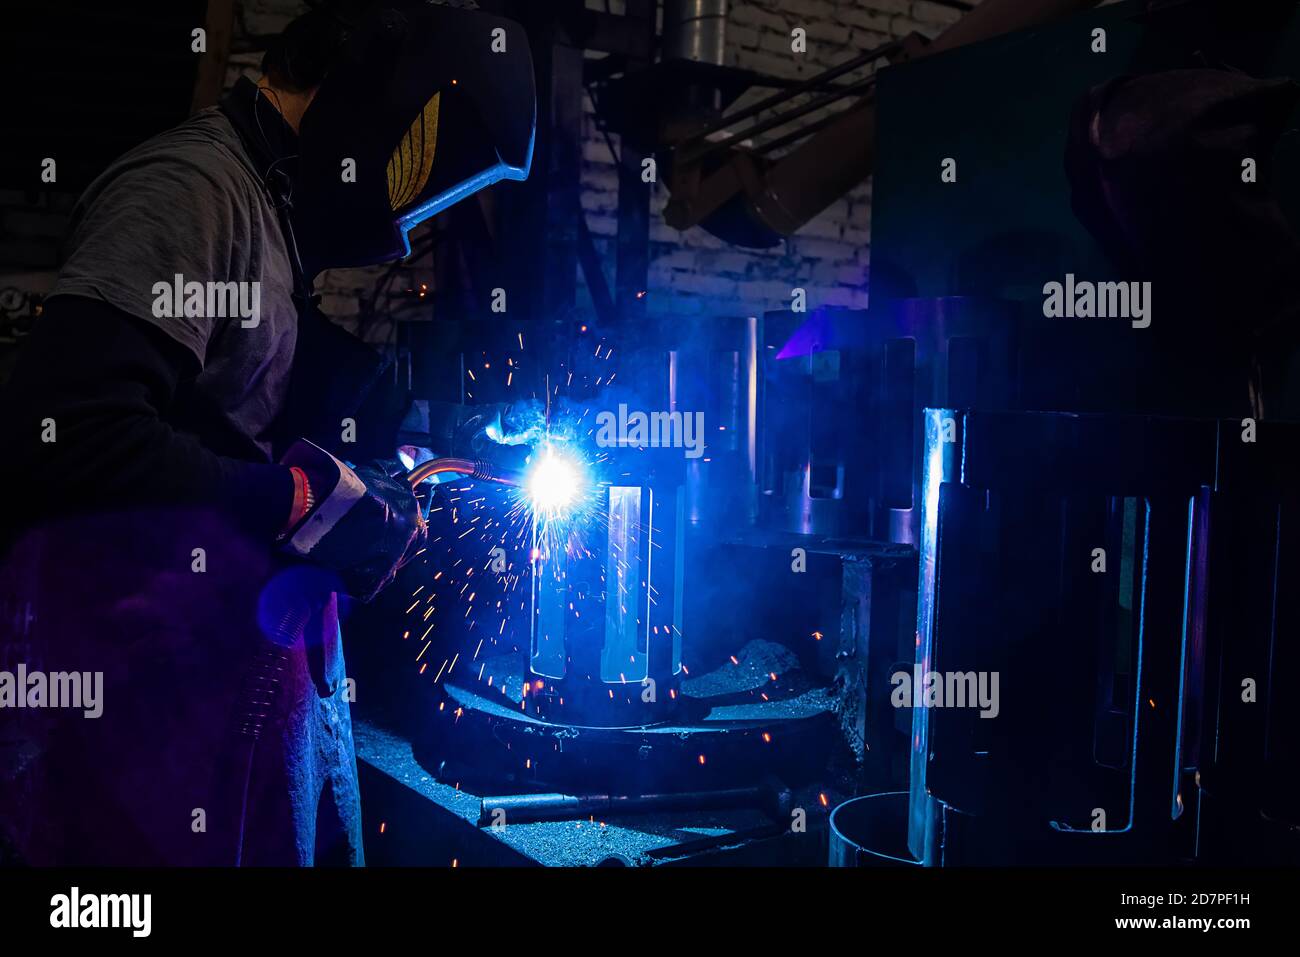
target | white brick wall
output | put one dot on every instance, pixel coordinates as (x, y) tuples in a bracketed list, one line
[(694, 274)]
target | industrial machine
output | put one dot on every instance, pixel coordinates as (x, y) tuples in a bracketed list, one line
[(704, 663)]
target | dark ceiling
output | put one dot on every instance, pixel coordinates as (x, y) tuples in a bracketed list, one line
[(85, 81)]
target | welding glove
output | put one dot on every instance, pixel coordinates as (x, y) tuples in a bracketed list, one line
[(363, 522)]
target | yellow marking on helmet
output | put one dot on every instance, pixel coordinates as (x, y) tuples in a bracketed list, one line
[(412, 160)]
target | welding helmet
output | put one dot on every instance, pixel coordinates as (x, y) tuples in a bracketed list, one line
[(422, 107)]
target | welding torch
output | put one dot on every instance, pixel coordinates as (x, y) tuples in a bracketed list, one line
[(475, 469), (552, 482)]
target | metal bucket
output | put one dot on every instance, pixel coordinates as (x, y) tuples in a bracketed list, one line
[(871, 831)]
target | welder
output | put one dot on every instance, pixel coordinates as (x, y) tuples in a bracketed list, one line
[(167, 523)]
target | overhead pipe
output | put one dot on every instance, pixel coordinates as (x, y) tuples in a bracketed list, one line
[(841, 151)]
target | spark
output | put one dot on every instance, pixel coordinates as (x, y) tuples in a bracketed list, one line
[(542, 526)]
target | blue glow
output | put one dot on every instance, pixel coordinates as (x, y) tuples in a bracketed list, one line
[(554, 483), (556, 507)]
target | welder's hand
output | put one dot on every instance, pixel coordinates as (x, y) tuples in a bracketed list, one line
[(365, 523)]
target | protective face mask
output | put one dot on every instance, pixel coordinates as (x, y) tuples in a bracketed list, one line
[(428, 106)]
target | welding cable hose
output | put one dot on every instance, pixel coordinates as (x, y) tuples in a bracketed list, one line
[(475, 469), (258, 696)]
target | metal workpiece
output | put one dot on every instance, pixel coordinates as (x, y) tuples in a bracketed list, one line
[(822, 476), (607, 632), (730, 727), (716, 374)]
